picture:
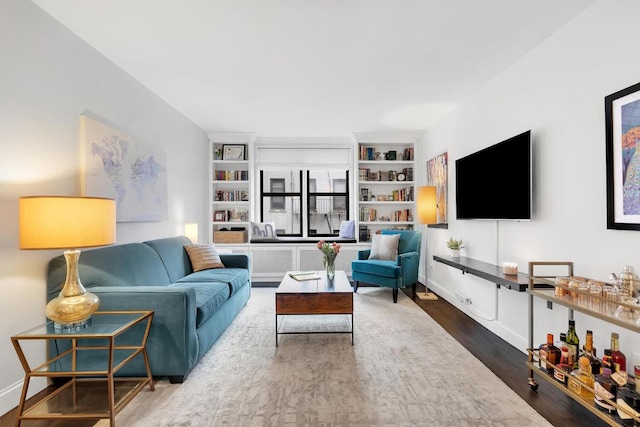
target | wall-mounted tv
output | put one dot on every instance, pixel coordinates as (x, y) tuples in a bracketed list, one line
[(496, 182)]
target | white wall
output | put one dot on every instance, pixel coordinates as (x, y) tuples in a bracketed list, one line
[(557, 91), (48, 78)]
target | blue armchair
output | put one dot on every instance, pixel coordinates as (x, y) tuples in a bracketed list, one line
[(391, 273)]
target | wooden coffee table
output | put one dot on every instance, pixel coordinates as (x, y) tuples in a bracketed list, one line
[(311, 297)]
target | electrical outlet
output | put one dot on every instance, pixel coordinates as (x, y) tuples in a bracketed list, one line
[(550, 305)]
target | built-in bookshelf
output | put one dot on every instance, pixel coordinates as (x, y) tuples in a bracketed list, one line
[(386, 183), (230, 182)]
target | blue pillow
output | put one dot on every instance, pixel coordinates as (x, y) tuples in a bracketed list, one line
[(347, 230)]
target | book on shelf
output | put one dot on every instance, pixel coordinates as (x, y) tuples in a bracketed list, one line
[(301, 276)]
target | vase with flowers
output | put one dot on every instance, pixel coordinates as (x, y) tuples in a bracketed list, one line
[(329, 253)]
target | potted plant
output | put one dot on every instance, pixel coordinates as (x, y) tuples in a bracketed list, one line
[(455, 246)]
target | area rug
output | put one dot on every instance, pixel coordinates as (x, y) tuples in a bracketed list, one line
[(402, 370)]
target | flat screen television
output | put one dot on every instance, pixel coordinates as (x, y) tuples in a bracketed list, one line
[(496, 182)]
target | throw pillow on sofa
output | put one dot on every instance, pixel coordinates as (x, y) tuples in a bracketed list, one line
[(203, 256), (384, 247)]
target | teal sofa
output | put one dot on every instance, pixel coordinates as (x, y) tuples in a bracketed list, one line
[(191, 310)]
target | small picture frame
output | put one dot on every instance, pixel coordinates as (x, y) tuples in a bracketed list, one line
[(220, 216), (233, 152)]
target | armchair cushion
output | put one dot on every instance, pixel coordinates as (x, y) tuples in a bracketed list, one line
[(384, 247)]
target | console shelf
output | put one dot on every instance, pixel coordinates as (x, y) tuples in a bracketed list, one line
[(484, 270)]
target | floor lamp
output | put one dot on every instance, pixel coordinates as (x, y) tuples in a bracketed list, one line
[(427, 214)]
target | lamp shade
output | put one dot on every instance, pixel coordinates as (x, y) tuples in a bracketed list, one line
[(191, 231), (427, 205), (49, 222)]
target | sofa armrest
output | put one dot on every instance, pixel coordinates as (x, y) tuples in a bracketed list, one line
[(410, 264), (172, 344), (235, 260), (364, 254)]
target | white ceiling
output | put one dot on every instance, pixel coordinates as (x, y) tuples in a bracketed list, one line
[(313, 67)]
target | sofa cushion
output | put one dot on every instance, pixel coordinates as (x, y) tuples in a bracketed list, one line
[(203, 257), (174, 257), (377, 267), (209, 297), (235, 278)]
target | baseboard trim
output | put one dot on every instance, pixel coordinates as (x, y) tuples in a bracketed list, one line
[(10, 396)]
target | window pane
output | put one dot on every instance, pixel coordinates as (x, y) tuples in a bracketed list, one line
[(328, 201), (291, 180), (277, 186), (287, 220)]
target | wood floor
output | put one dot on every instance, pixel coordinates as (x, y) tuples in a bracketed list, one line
[(506, 362)]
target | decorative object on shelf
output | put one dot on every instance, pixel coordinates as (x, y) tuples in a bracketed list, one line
[(510, 268), (427, 214), (68, 223), (217, 153), (329, 253), (623, 159), (628, 282), (455, 246), (437, 176), (233, 152)]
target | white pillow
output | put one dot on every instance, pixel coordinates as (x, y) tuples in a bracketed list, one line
[(347, 230), (384, 247), (263, 230)]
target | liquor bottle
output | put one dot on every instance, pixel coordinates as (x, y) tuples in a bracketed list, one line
[(618, 358), (549, 353), (605, 387), (582, 377), (606, 361), (573, 344), (563, 367), (590, 353), (588, 341)]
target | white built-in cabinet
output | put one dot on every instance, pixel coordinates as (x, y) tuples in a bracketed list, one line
[(231, 175), (386, 183)]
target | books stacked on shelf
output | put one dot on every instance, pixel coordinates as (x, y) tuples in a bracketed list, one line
[(224, 175), (402, 215), (231, 196), (364, 233), (366, 174), (407, 154), (367, 153), (403, 195), (367, 214), (408, 174)]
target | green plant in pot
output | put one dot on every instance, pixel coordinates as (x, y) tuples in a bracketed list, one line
[(455, 246)]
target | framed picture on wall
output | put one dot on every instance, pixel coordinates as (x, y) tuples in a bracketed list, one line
[(233, 152), (437, 170), (622, 121)]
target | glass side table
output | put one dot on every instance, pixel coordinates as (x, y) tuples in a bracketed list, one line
[(90, 393)]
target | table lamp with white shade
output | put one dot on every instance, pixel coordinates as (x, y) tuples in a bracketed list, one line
[(50, 222), (427, 205)]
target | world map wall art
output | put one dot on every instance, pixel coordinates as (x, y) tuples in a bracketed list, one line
[(117, 166)]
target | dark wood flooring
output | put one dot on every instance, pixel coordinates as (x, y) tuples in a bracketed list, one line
[(506, 362)]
